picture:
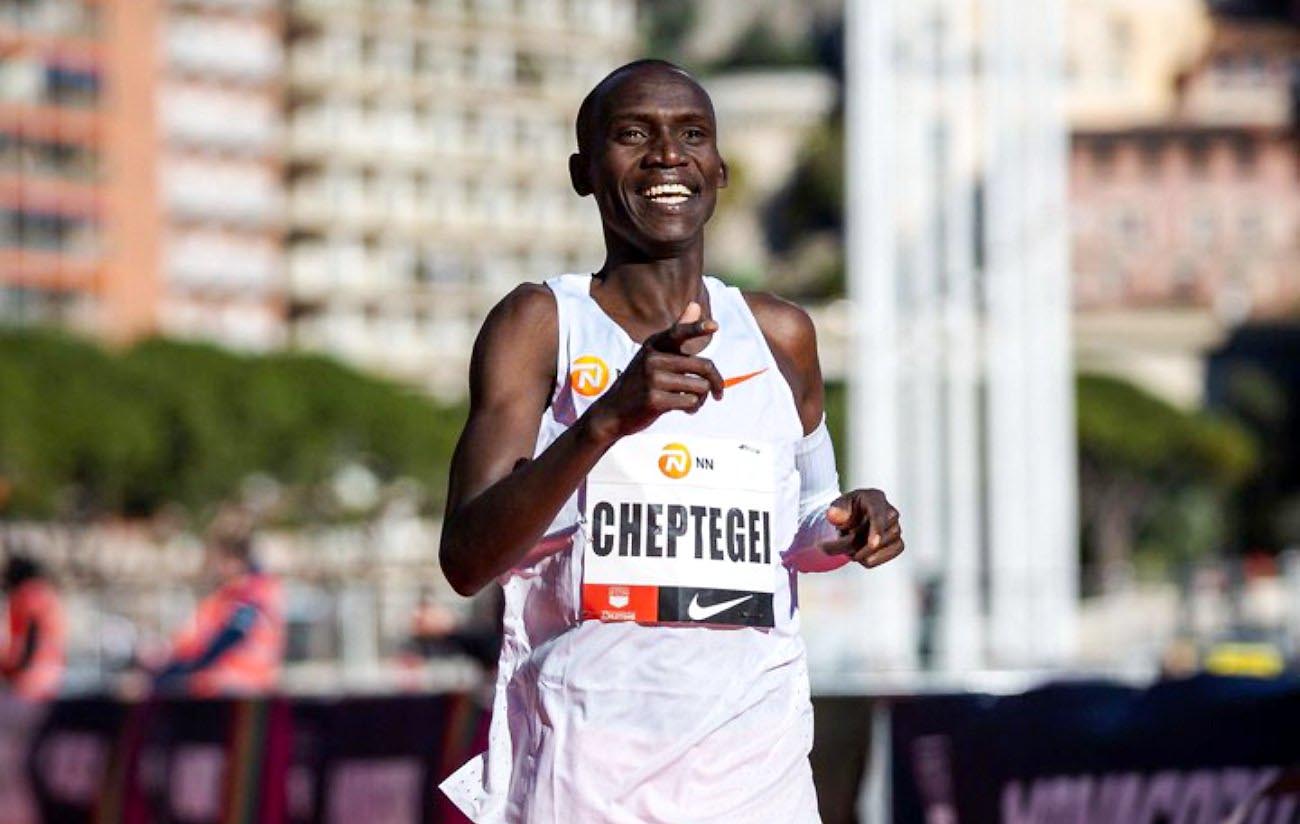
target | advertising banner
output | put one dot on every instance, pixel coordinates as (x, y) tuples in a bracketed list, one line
[(1200, 751), (258, 761)]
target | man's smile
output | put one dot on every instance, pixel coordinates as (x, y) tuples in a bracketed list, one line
[(667, 194)]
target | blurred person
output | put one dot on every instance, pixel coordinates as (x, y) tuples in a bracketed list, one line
[(234, 644), (431, 624), (437, 631), (32, 662), (645, 515)]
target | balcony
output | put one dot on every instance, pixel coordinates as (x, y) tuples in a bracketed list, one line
[(40, 269), (244, 51), (240, 121), (50, 123)]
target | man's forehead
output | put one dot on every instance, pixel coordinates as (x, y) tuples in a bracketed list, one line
[(654, 90)]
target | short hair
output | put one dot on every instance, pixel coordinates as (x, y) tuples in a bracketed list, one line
[(20, 569), (231, 534), (589, 111)]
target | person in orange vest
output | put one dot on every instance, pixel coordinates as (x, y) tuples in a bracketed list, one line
[(31, 664), (235, 642)]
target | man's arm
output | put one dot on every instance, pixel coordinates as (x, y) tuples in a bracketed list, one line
[(26, 647), (867, 523), (501, 499), (230, 635)]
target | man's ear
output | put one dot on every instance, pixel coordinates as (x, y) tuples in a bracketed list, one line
[(578, 174), (722, 175)]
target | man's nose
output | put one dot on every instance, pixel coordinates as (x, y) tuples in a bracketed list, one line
[(665, 150)]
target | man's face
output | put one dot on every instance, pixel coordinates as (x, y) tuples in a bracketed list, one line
[(653, 162), (222, 567)]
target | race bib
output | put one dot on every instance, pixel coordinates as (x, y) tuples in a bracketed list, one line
[(679, 530)]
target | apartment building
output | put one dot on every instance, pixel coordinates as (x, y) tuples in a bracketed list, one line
[(427, 168), (1184, 200), (139, 187), (54, 149), (1123, 59), (220, 190)]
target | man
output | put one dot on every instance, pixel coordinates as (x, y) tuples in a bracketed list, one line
[(32, 664), (235, 642), (645, 468)]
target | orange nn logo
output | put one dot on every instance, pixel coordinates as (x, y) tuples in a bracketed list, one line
[(675, 460), (589, 375)]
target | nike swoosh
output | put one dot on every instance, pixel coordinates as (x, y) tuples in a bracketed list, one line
[(699, 613), (729, 382)]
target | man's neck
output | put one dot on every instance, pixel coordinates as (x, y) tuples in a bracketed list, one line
[(651, 293)]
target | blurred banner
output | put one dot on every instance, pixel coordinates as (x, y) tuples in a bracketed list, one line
[(1202, 751), (295, 760)]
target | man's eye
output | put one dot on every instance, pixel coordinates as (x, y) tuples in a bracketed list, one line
[(631, 134), (695, 134)]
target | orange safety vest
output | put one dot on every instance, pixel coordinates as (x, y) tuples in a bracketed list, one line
[(253, 664), (35, 605)]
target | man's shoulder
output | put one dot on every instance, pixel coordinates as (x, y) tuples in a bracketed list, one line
[(528, 301), (785, 324), (528, 308)]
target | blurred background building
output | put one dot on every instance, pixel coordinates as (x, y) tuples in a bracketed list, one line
[(360, 178), (1183, 179), (427, 168), (143, 191)]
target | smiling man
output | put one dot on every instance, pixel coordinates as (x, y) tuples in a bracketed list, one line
[(646, 470)]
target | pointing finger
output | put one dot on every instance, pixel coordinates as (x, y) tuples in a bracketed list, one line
[(690, 325), (675, 337)]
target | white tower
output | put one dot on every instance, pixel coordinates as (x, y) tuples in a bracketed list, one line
[(962, 396)]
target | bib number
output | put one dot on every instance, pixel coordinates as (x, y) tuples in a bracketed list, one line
[(679, 530)]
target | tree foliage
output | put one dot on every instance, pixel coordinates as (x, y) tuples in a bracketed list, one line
[(1154, 478), (761, 47), (85, 432), (665, 26)]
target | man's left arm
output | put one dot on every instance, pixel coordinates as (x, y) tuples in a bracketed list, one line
[(229, 635), (834, 528)]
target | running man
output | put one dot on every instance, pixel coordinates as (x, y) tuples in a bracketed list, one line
[(645, 468)]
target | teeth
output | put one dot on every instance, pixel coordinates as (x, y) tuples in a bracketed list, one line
[(669, 189)]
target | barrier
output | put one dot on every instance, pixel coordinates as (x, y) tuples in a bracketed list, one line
[(264, 761), (1201, 751)]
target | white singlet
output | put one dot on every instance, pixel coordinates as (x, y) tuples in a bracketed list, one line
[(625, 722)]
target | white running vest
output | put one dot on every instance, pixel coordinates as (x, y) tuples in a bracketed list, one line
[(621, 721)]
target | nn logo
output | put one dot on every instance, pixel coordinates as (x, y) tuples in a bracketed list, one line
[(675, 461), (589, 376)]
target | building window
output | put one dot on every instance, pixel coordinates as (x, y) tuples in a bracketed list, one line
[(1151, 152), (528, 70), (1198, 155), (1205, 228), (1103, 157), (1131, 228), (1121, 37), (1254, 230), (1246, 153)]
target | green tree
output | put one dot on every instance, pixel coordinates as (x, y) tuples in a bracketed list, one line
[(760, 47), (1153, 478), (665, 26), (86, 433)]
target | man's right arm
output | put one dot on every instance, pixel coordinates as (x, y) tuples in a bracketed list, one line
[(500, 498)]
